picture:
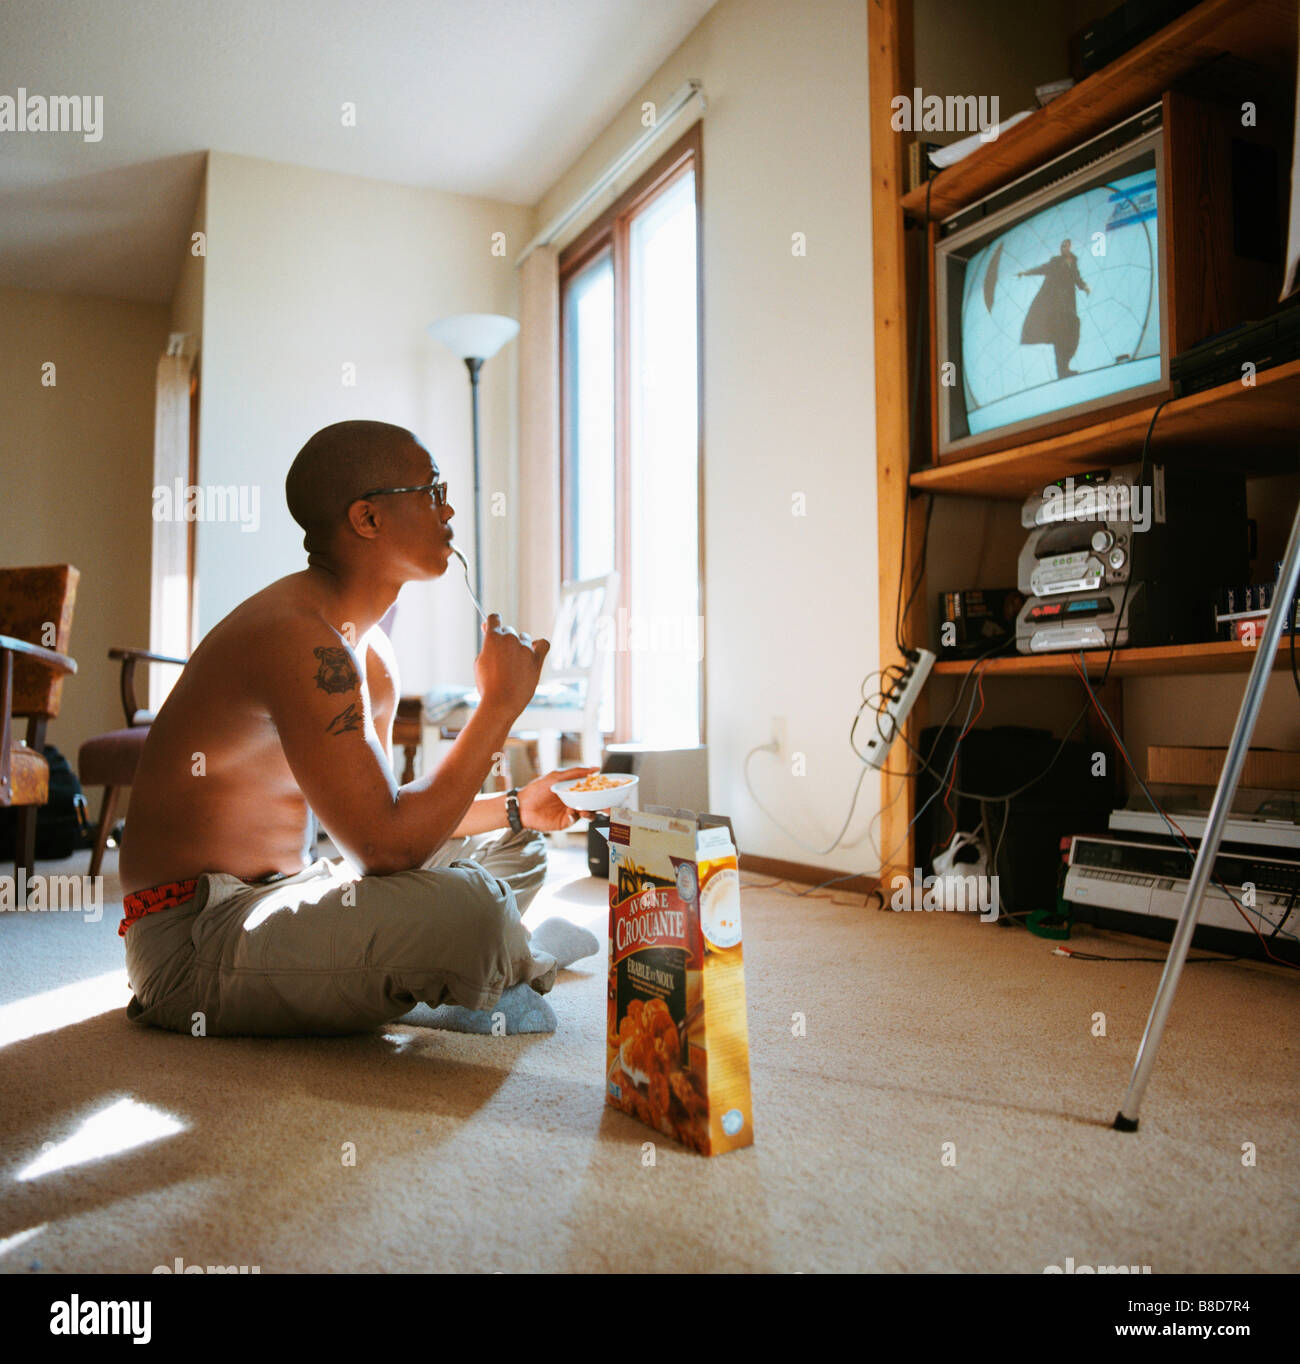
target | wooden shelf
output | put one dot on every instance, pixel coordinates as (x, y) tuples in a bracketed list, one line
[(1253, 431), (1262, 422), (1163, 660), (1259, 31)]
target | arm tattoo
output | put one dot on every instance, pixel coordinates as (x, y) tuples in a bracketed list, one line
[(336, 673), (346, 720)]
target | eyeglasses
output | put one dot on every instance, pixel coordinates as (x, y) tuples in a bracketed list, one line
[(439, 491)]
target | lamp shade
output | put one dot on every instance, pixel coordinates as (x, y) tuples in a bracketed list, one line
[(474, 336)]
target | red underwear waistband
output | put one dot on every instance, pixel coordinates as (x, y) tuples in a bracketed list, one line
[(150, 901)]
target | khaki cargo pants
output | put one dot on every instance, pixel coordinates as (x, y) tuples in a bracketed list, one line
[(326, 952)]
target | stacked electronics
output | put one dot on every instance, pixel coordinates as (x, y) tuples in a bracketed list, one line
[(1121, 29), (1118, 558), (1135, 877), (1115, 559)]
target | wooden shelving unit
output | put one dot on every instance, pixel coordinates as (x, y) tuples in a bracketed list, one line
[(1162, 661), (1262, 32), (1256, 428), (1264, 421)]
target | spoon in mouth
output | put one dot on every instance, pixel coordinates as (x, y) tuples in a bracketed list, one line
[(468, 588)]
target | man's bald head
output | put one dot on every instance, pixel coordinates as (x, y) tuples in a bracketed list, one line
[(340, 463)]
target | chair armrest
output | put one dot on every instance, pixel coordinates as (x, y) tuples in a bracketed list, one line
[(59, 662), (9, 646), (137, 654), (126, 686)]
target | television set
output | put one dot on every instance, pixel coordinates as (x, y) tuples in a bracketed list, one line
[(1061, 298)]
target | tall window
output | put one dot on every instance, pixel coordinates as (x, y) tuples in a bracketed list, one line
[(632, 477)]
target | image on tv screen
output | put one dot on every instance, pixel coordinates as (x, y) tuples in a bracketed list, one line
[(1063, 308)]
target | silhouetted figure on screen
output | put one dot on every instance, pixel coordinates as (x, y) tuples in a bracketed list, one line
[(1052, 319)]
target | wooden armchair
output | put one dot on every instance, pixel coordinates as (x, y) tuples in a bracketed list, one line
[(35, 605), (110, 760)]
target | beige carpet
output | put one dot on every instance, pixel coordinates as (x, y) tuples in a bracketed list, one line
[(125, 1149)]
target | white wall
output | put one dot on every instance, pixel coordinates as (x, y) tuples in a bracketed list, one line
[(76, 473), (308, 271), (1001, 48), (791, 623), (187, 299)]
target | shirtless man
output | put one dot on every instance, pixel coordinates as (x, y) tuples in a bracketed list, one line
[(286, 708)]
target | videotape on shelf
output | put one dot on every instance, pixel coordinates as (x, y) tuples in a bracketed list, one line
[(1242, 610), (974, 621)]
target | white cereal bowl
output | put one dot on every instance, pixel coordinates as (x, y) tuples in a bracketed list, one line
[(596, 800)]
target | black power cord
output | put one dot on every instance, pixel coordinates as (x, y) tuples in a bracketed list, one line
[(1128, 582)]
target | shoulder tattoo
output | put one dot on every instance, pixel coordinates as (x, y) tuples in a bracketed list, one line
[(336, 673)]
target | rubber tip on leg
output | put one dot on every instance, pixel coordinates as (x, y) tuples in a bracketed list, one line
[(1123, 1124)]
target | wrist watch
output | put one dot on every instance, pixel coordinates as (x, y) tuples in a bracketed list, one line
[(512, 810)]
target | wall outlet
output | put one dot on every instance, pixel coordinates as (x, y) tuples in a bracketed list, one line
[(779, 735)]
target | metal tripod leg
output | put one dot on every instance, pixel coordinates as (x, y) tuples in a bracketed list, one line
[(1265, 657)]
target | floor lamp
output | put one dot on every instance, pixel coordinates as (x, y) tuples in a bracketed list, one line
[(476, 338)]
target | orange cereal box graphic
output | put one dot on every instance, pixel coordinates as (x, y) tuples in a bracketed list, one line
[(677, 1045)]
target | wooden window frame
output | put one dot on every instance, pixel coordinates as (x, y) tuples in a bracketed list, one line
[(611, 231)]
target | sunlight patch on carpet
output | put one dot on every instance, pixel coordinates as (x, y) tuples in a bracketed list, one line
[(62, 1007), (9, 1243), (552, 899), (119, 1127)]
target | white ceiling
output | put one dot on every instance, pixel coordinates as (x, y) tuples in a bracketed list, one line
[(483, 97)]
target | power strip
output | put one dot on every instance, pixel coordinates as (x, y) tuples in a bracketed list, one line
[(898, 707)]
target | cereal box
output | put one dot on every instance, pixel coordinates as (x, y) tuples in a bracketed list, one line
[(677, 1046)]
